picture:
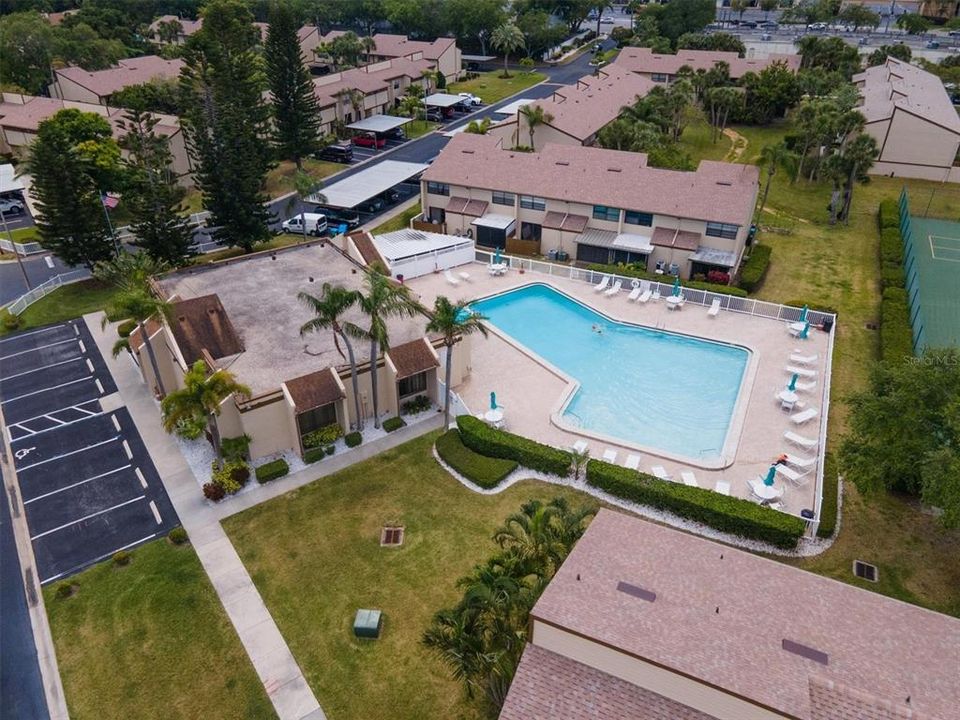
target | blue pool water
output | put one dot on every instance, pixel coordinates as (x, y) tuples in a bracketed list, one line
[(647, 387)]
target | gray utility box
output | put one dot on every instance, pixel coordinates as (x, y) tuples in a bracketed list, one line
[(366, 624)]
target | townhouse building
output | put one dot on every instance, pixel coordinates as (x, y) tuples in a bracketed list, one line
[(664, 68), (78, 85)]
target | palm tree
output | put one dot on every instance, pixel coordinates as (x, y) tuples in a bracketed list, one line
[(455, 637), (543, 534), (194, 407), (507, 38), (381, 300), (739, 6), (535, 115), (600, 6), (771, 157), (368, 44), (333, 302), (859, 156), (453, 321), (140, 305)]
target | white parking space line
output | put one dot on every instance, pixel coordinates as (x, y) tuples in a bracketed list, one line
[(116, 423), (98, 559), (47, 389), (35, 332), (43, 347), (22, 425), (72, 452), (87, 517), (83, 348), (62, 362), (156, 513), (126, 449), (140, 477), (76, 484), (99, 386), (90, 366)]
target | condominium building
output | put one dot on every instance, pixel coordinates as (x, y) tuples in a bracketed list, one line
[(443, 52), (647, 622), (664, 68), (912, 119), (596, 205), (78, 85)]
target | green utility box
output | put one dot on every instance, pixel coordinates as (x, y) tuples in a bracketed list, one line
[(366, 624)]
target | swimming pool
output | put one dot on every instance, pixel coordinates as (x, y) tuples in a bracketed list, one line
[(647, 387)]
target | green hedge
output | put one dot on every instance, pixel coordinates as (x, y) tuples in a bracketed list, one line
[(828, 509), (312, 455), (888, 214), (487, 472), (272, 470), (723, 512), (630, 271), (394, 423), (755, 268), (896, 338), (353, 439), (481, 438), (891, 276), (891, 246), (811, 305), (323, 436)]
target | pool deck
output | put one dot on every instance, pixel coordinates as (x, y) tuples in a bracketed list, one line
[(531, 391)]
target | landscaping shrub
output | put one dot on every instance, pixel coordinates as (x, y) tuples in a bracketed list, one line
[(178, 536), (755, 268), (394, 423), (323, 436), (10, 321), (126, 327), (891, 275), (230, 476), (419, 404), (64, 590), (212, 491), (811, 305), (272, 470), (723, 512), (487, 472), (329, 449), (312, 455), (888, 214), (633, 271), (896, 338), (235, 448), (828, 509), (891, 246), (353, 439), (481, 438), (121, 558)]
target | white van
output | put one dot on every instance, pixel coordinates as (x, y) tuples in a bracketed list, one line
[(316, 224)]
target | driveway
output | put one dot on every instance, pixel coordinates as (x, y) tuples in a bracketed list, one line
[(87, 483)]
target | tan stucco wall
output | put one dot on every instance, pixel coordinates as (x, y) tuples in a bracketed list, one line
[(914, 140), (708, 700), (270, 428)]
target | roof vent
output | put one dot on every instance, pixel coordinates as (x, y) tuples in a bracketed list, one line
[(805, 651), (614, 170), (467, 152), (564, 163), (636, 591), (725, 183), (865, 571)]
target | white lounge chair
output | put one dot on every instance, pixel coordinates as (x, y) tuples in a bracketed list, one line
[(450, 278), (633, 462), (645, 296), (800, 440), (722, 487), (655, 295), (804, 359), (689, 478), (660, 473), (634, 294), (609, 455), (714, 308), (800, 461), (602, 285), (464, 275), (580, 446), (806, 386), (801, 417), (797, 478), (615, 289), (802, 372)]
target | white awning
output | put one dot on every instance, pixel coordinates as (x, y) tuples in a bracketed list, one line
[(712, 256), (636, 243), (8, 183), (442, 100), (367, 183), (378, 123), (497, 222), (514, 107)]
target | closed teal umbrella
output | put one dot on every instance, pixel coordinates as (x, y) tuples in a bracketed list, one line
[(806, 329), (496, 257), (676, 287), (771, 473), (493, 401), (793, 383), (803, 314)]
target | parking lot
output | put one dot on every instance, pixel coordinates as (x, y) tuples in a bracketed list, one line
[(87, 483)]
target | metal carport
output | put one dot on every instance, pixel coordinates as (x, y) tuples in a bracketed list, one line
[(378, 124), (442, 100), (368, 183)]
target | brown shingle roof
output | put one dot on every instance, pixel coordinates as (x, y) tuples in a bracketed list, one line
[(412, 358), (716, 191), (897, 84), (681, 239), (314, 390), (548, 685), (644, 60), (132, 71), (201, 324), (721, 614), (28, 115), (366, 247), (834, 701), (134, 340)]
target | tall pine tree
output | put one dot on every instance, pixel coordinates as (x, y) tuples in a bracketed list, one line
[(296, 114), (226, 122), (151, 194), (72, 161)]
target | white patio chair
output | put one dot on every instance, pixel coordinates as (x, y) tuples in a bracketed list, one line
[(804, 359), (602, 285), (464, 275), (799, 461), (633, 462), (714, 308), (800, 440), (722, 487), (802, 372), (610, 292), (805, 416), (659, 472), (797, 478), (580, 446), (645, 296), (450, 278), (610, 456), (689, 478)]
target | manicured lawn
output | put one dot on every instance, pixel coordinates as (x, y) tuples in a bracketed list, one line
[(280, 178), (314, 555), (697, 139), (192, 201), (418, 128), (400, 222), (65, 303), (491, 88), (24, 235), (151, 640)]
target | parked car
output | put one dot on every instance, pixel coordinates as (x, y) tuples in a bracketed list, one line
[(434, 115), (369, 141), (11, 207), (769, 25), (470, 99), (316, 224), (338, 152), (396, 133), (817, 26), (954, 33), (339, 216), (373, 205), (751, 24), (933, 45)]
